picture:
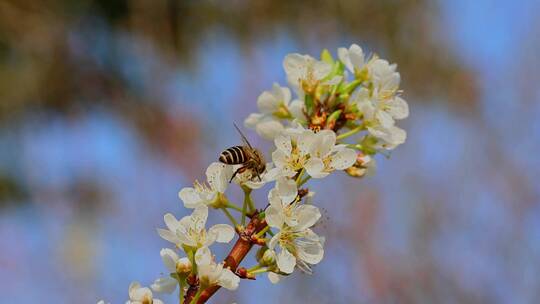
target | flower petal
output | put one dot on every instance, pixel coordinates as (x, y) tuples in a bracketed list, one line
[(385, 119), (171, 222), (356, 56), (315, 167), (286, 261), (267, 103), (343, 159), (190, 197), (287, 189), (269, 128), (295, 67), (164, 285), (218, 176), (308, 215), (168, 236), (198, 218), (141, 293), (283, 143), (320, 69), (343, 55), (133, 287), (228, 279), (252, 120), (203, 256), (274, 277), (310, 248), (274, 216), (273, 241), (169, 258), (398, 108), (297, 109), (224, 233)]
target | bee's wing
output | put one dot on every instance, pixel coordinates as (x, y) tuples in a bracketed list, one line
[(244, 139)]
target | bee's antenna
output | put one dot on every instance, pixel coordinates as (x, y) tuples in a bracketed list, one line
[(243, 136)]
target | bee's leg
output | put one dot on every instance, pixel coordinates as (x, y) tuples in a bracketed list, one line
[(239, 170)]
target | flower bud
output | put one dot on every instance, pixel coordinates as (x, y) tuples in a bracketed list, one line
[(260, 253), (183, 266), (363, 165), (268, 258), (356, 171)]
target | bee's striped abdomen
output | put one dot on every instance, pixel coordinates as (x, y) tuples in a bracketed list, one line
[(233, 156)]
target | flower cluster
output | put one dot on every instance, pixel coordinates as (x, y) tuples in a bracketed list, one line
[(355, 94), (343, 113)]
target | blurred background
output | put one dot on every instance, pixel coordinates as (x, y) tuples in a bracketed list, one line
[(109, 108)]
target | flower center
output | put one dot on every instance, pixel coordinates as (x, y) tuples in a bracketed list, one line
[(147, 300), (201, 187), (286, 239), (296, 160), (197, 236)]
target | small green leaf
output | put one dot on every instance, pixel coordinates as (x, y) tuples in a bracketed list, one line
[(310, 105), (333, 117), (351, 86), (326, 56)]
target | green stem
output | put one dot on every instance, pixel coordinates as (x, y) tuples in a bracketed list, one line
[(233, 206), (304, 181), (251, 205), (191, 257), (181, 299), (248, 202), (197, 296), (231, 218), (300, 175), (254, 268), (350, 132), (259, 271), (244, 208), (262, 232)]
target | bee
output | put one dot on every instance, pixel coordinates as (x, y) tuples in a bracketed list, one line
[(247, 156)]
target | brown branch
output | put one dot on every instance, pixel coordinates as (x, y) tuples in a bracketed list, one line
[(239, 251)]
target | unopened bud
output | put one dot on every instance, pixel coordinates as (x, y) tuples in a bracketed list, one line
[(268, 258), (260, 253), (361, 166), (183, 266), (356, 171)]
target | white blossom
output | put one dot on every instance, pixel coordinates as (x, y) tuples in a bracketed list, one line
[(218, 176), (379, 116), (305, 71), (273, 106), (384, 75), (250, 179), (283, 206), (141, 295), (174, 264), (292, 151), (211, 273), (266, 126), (390, 137), (353, 58), (190, 230), (298, 244), (275, 277), (326, 156)]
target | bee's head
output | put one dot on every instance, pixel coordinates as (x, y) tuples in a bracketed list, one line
[(261, 167), (261, 163)]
